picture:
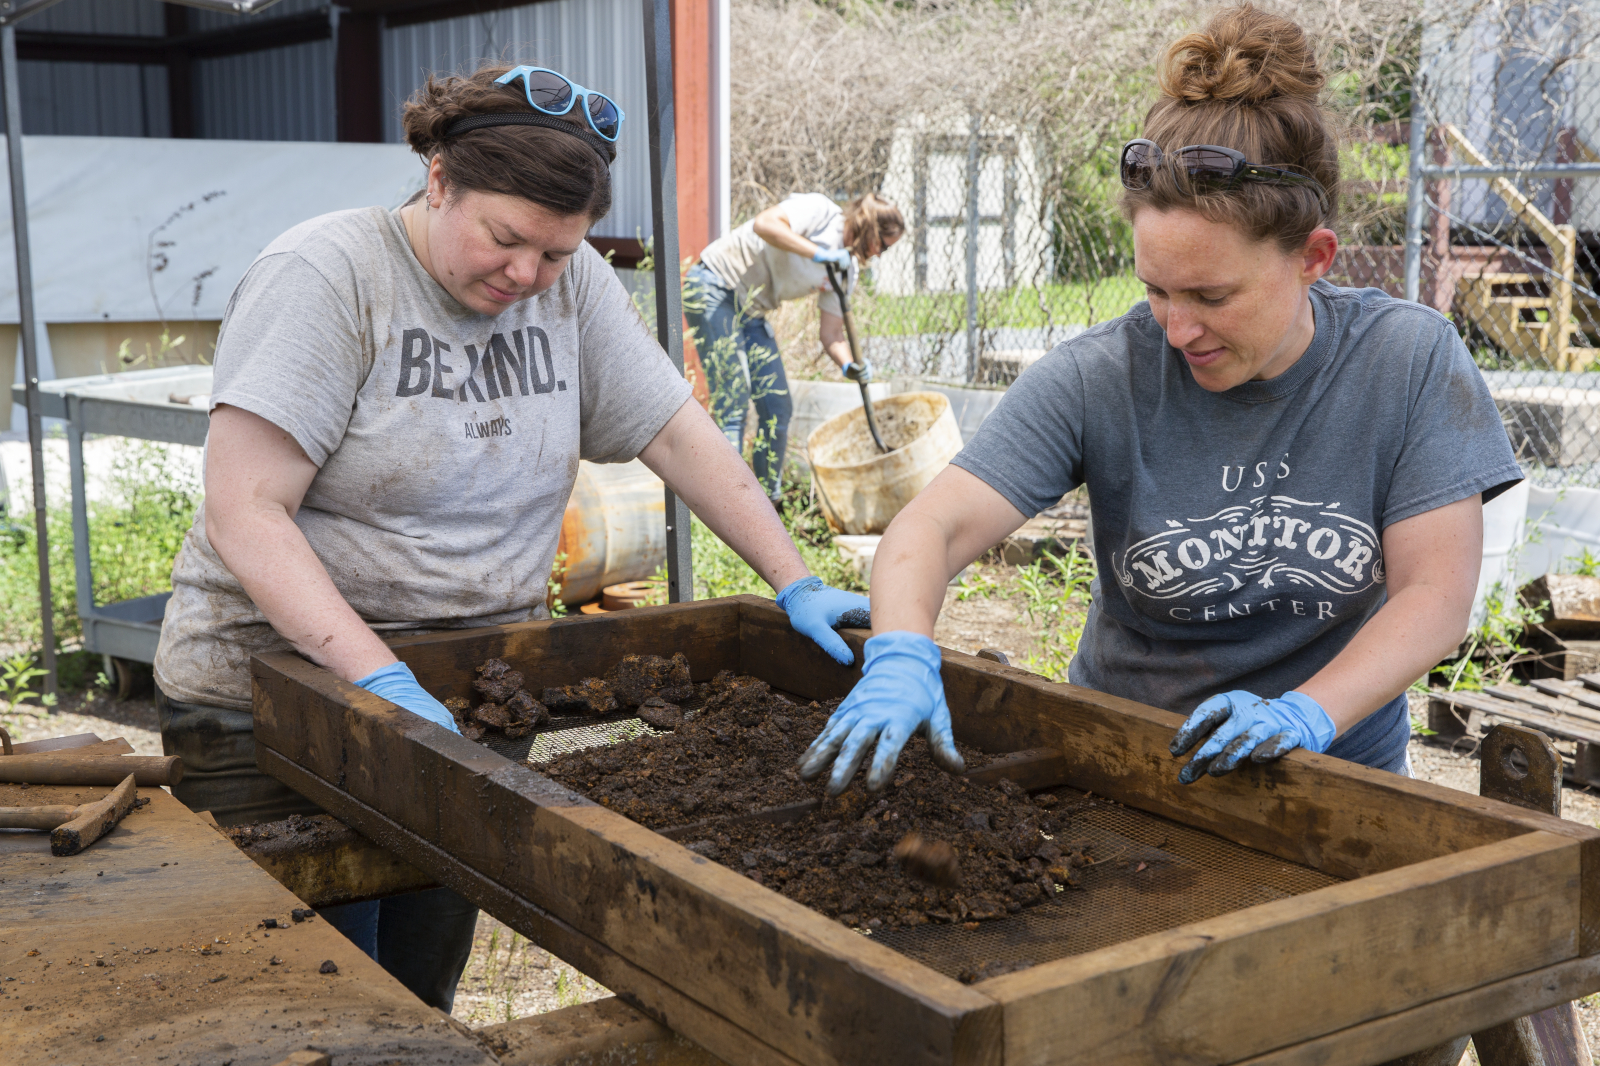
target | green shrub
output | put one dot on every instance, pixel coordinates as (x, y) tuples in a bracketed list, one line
[(133, 538)]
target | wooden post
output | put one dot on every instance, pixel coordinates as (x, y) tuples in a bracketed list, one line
[(1519, 765), (691, 87)]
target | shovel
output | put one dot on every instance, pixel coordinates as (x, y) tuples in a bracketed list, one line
[(855, 353)]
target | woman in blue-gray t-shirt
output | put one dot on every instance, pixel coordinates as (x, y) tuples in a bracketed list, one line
[(1288, 477)]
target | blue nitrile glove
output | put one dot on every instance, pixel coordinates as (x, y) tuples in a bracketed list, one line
[(814, 609), (861, 371), (1240, 724), (900, 692), (839, 257), (397, 684)]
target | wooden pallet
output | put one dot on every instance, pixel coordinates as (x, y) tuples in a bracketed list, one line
[(1567, 711), (1495, 910)]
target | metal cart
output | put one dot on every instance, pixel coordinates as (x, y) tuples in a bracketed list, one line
[(147, 405)]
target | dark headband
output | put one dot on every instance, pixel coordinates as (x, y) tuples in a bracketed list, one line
[(603, 148)]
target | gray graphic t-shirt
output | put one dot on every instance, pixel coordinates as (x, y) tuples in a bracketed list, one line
[(447, 441), (1238, 534)]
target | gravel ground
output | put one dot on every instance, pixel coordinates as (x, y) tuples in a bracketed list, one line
[(94, 712)]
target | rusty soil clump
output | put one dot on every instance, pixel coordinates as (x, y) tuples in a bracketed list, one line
[(930, 847), (638, 681)]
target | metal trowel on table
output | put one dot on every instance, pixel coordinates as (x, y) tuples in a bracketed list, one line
[(855, 354)]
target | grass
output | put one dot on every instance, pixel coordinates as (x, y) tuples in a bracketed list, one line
[(718, 570), (1083, 303)]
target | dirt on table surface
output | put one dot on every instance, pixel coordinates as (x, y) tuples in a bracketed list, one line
[(983, 851)]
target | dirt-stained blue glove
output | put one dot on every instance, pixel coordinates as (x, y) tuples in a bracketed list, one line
[(814, 609), (839, 257), (900, 693), (1240, 723), (861, 371), (397, 684)]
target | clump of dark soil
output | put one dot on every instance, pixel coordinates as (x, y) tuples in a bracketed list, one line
[(589, 696), (967, 852), (634, 682), (736, 755), (980, 851), (507, 707), (638, 679), (932, 861)]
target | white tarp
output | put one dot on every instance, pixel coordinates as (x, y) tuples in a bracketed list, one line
[(133, 229)]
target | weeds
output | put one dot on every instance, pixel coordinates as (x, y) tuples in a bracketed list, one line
[(975, 585), (1585, 564), (133, 538), (718, 570), (1055, 592), (16, 674), (1494, 646)]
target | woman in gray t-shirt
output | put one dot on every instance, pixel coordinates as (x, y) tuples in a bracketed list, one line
[(400, 403), (1287, 477)]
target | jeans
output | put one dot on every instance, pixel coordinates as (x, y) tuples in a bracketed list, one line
[(740, 354), (422, 938)]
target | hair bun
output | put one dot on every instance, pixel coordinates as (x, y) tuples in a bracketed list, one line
[(1243, 55)]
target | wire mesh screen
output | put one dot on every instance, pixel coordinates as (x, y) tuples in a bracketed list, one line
[(1149, 874), (1511, 252)]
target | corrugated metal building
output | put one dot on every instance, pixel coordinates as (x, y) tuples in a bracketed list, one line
[(304, 70)]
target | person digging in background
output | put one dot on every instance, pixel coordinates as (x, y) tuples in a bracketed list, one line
[(401, 401), (1288, 477), (781, 254)]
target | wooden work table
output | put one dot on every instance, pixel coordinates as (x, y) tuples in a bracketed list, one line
[(148, 947)]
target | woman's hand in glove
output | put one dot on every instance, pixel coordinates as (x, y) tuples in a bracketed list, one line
[(1239, 723), (839, 257), (814, 609), (900, 693), (397, 684)]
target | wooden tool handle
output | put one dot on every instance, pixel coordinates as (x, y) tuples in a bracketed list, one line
[(46, 818), (94, 820), (70, 768), (5, 740)]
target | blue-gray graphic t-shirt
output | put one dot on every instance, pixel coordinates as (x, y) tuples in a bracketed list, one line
[(1239, 534)]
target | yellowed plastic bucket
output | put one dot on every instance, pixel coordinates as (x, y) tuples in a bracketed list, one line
[(861, 489)]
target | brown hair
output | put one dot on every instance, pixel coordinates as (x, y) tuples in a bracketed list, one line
[(1247, 81), (870, 219), (545, 166)]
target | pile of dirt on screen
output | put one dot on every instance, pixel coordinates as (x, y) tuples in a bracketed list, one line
[(930, 847)]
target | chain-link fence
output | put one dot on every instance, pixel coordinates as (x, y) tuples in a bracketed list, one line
[(1005, 172), (1504, 216), (996, 129)]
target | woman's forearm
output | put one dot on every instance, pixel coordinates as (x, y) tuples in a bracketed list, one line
[(1433, 562), (272, 560), (772, 226), (910, 572), (950, 523), (1406, 638)]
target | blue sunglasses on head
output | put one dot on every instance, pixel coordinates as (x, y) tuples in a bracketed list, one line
[(551, 93)]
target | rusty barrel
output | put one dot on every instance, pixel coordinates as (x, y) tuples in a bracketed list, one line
[(614, 530)]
